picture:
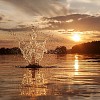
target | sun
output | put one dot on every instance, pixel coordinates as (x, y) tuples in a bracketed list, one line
[(76, 37)]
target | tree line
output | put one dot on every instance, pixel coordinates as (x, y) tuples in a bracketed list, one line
[(87, 48), (8, 51), (84, 48)]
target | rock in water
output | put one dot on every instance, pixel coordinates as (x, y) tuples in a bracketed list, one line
[(33, 66), (30, 66)]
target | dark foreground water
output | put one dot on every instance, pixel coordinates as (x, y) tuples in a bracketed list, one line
[(71, 77)]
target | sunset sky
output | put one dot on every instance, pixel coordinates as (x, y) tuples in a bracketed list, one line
[(58, 19)]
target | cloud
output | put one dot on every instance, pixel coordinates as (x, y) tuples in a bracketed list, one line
[(16, 29), (68, 17), (7, 43), (85, 6), (80, 22), (1, 18), (27, 12), (41, 7)]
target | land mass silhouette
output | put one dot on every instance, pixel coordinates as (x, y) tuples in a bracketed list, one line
[(87, 48), (84, 48), (9, 51)]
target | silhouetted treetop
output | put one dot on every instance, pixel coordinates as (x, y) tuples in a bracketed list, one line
[(58, 50), (61, 50)]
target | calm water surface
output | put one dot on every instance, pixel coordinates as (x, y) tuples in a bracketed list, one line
[(70, 77)]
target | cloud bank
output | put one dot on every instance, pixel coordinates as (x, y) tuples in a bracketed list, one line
[(41, 7), (78, 22)]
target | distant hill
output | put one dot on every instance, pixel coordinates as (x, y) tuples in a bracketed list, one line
[(87, 48)]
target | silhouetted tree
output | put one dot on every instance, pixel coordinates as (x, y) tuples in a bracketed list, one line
[(61, 50)]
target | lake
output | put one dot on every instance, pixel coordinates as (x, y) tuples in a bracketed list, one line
[(67, 77)]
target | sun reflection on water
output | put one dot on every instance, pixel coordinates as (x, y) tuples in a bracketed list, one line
[(76, 65)]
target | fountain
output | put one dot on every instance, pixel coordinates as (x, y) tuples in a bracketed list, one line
[(32, 49)]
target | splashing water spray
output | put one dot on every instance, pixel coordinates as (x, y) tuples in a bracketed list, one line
[(32, 50)]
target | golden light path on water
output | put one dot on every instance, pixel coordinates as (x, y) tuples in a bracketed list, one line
[(76, 65)]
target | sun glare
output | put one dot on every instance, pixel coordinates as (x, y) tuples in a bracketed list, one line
[(76, 37)]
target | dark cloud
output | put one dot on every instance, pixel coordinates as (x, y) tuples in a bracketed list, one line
[(41, 7), (1, 18), (96, 36), (16, 29), (80, 22), (22, 26), (68, 17)]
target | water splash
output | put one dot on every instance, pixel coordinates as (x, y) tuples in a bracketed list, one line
[(32, 49)]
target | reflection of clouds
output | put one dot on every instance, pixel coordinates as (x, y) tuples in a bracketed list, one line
[(76, 65)]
